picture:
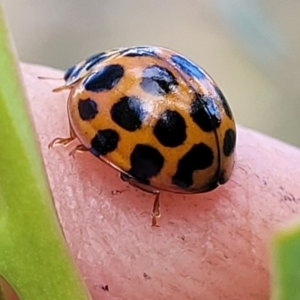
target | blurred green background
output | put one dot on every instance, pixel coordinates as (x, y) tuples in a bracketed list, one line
[(250, 47)]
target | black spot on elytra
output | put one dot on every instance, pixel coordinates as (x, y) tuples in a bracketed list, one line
[(157, 81), (199, 157), (221, 178), (128, 113), (205, 113), (188, 67), (146, 162), (224, 103), (104, 141), (87, 109), (105, 79), (170, 129), (229, 142), (94, 59), (69, 72), (139, 51)]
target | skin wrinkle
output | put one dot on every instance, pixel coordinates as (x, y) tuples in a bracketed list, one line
[(213, 246)]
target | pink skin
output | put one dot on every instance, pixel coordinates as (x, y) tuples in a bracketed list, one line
[(208, 246)]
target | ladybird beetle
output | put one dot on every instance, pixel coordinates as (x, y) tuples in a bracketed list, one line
[(153, 115)]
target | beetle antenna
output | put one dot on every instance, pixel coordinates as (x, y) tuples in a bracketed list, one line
[(58, 89), (50, 78), (61, 88)]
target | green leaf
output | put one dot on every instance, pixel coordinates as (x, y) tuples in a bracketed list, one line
[(34, 258), (286, 264)]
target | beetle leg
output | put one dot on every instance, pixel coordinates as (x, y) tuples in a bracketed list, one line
[(78, 148), (156, 205), (156, 210), (63, 141)]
